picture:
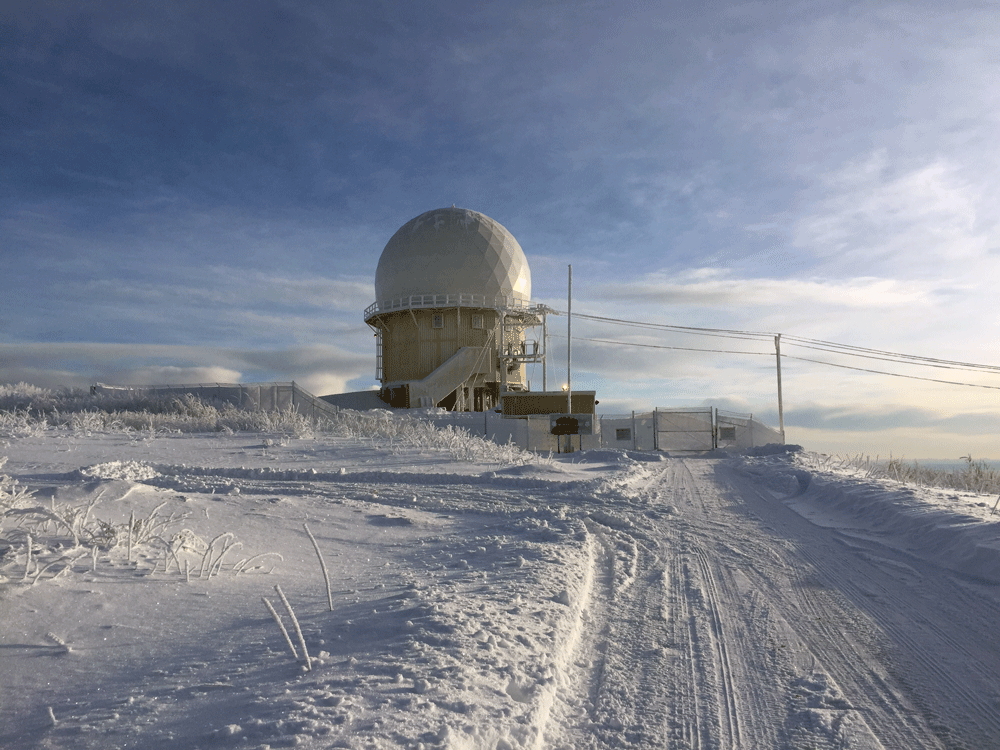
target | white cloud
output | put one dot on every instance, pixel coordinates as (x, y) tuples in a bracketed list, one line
[(347, 295), (916, 222), (171, 375), (712, 287), (327, 369)]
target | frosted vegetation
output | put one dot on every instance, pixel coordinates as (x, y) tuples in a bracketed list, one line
[(26, 524), (26, 409), (972, 476), (41, 531)]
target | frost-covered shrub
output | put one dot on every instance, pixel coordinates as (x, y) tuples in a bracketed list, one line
[(973, 476), (25, 409), (405, 431), (12, 495), (40, 542)]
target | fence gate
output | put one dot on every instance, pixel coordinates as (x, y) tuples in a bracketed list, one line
[(684, 429)]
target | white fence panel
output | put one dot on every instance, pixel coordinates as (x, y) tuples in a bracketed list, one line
[(743, 431), (628, 431)]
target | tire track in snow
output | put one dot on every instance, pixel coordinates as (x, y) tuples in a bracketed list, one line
[(716, 656), (729, 710), (630, 706), (688, 711), (848, 647), (811, 699), (840, 653), (734, 656), (947, 668), (670, 676), (845, 643)]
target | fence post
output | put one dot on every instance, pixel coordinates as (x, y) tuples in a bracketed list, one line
[(656, 441)]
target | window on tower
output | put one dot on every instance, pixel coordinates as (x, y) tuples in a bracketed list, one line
[(438, 320), (477, 321)]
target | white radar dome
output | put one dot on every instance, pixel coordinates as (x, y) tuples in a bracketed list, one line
[(452, 251)]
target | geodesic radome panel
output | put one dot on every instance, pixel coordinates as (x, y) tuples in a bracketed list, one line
[(452, 251)]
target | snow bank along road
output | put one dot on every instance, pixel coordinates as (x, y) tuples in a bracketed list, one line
[(606, 601)]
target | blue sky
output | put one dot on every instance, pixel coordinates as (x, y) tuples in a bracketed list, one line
[(199, 192)]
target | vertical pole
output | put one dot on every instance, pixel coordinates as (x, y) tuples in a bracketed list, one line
[(569, 354), (545, 350), (635, 437), (656, 443), (461, 397), (503, 362), (569, 344), (781, 408)]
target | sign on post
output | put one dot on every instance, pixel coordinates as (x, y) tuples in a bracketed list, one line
[(571, 424)]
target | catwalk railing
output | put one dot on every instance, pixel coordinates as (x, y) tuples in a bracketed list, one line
[(418, 301)]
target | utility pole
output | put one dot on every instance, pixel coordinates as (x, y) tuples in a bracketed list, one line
[(569, 355), (545, 348), (569, 344), (781, 410)]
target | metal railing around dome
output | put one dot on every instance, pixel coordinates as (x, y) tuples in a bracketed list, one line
[(416, 301)]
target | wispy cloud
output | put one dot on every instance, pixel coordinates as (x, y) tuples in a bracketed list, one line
[(915, 222), (323, 369), (714, 287)]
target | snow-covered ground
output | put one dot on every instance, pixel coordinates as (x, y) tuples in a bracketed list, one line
[(594, 600)]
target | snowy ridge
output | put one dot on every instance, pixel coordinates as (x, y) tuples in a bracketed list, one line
[(181, 473), (577, 598), (962, 542), (192, 478), (955, 529)]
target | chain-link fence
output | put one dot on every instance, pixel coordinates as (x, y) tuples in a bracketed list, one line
[(684, 430)]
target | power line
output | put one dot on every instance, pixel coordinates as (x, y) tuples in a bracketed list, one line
[(903, 359), (859, 351), (784, 356), (816, 344), (660, 346), (720, 332), (892, 374)]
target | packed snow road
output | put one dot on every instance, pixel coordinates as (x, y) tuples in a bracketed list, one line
[(723, 619), (598, 600)]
